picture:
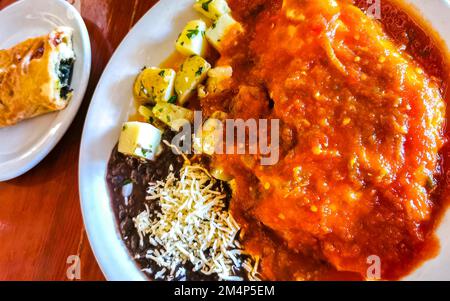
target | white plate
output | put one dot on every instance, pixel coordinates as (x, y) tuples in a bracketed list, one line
[(149, 43), (24, 145)]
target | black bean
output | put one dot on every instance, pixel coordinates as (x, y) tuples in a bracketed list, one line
[(118, 180), (142, 168), (122, 214), (122, 168), (131, 162), (151, 206), (145, 245), (159, 172), (126, 226), (135, 176), (118, 169), (134, 243), (131, 202)]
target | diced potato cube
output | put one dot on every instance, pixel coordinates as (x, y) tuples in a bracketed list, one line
[(154, 84), (192, 72), (212, 9), (201, 91), (192, 39), (147, 113), (139, 139), (221, 72), (218, 32), (149, 117), (174, 116), (217, 79), (208, 139)]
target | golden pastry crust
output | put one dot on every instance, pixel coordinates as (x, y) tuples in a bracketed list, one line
[(29, 77)]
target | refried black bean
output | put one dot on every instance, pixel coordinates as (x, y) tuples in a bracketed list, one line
[(123, 169)]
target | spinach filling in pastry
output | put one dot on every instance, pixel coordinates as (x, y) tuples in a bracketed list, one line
[(35, 76)]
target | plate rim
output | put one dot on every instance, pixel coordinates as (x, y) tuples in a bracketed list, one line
[(47, 143)]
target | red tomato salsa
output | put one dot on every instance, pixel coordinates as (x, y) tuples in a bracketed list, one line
[(362, 106)]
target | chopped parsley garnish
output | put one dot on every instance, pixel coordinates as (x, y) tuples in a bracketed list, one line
[(126, 182), (205, 5), (124, 128), (146, 151), (162, 73), (192, 33), (173, 99), (153, 91), (199, 71)]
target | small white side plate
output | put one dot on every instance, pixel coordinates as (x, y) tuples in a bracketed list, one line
[(24, 145)]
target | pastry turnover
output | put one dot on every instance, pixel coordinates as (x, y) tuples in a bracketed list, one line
[(35, 76)]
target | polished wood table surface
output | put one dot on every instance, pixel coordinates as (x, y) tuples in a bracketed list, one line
[(41, 228)]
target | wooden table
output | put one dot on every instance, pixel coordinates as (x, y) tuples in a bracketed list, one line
[(40, 217)]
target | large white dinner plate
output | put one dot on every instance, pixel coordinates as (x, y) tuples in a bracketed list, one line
[(149, 43), (24, 145)]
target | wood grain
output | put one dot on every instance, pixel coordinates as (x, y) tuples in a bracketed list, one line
[(40, 217)]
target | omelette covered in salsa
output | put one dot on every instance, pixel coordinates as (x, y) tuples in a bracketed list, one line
[(362, 125)]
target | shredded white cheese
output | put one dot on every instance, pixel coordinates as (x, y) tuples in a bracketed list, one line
[(193, 226)]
